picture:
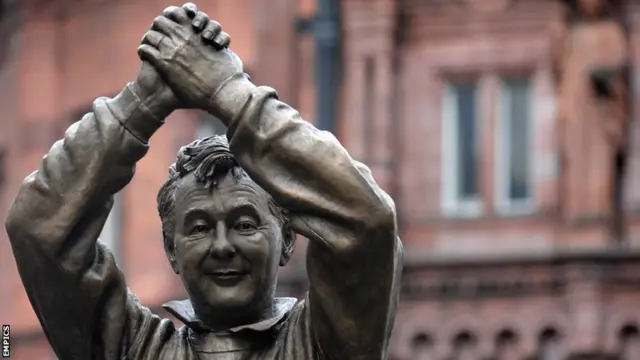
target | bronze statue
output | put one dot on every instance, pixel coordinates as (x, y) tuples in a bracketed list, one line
[(590, 58), (229, 212)]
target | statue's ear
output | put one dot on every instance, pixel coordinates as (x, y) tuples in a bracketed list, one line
[(171, 255), (288, 244)]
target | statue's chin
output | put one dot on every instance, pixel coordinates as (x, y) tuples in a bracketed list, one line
[(232, 311), (238, 302), (242, 298), (230, 302)]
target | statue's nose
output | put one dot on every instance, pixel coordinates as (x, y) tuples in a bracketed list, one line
[(221, 247)]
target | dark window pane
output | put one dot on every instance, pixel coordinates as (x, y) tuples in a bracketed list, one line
[(518, 139), (630, 339), (467, 138), (465, 346), (551, 346), (423, 347)]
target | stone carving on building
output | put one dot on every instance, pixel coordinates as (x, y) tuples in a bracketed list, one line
[(466, 294), (590, 60)]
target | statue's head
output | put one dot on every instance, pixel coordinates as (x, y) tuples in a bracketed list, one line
[(223, 234)]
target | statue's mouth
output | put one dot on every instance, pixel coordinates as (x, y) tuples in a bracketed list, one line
[(228, 272), (227, 277)]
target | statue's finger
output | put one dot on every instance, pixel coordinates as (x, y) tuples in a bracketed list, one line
[(168, 11), (222, 40), (176, 14), (149, 53), (165, 26), (191, 9), (211, 30), (200, 20), (153, 38)]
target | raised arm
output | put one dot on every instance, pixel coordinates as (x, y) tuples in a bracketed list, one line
[(355, 256), (73, 283)]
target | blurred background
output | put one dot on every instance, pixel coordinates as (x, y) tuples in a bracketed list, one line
[(518, 208)]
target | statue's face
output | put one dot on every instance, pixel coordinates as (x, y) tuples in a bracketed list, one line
[(591, 8), (227, 245)]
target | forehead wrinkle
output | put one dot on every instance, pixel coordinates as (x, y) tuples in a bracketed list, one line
[(227, 195), (242, 194)]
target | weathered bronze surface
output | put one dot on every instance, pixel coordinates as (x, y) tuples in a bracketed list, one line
[(229, 211), (590, 58)]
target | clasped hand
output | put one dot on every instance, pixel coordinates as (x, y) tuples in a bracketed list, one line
[(185, 59)]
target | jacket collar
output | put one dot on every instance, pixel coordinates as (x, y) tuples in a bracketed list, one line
[(183, 311)]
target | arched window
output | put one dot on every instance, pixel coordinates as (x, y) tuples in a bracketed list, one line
[(551, 346), (507, 345), (630, 343), (465, 346), (423, 347)]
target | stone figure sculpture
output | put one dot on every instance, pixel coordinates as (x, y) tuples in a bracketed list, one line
[(590, 59), (229, 211)]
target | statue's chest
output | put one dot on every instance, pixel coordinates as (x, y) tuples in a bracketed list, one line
[(232, 347)]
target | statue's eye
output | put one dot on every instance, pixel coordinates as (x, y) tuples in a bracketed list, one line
[(199, 229), (245, 227)]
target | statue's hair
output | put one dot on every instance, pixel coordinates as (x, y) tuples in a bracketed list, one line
[(209, 160)]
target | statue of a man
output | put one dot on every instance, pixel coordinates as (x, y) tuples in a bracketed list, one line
[(590, 58), (229, 211)]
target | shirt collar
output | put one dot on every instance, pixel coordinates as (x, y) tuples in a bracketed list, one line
[(183, 311)]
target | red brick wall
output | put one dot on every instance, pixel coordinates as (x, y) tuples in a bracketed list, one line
[(434, 43), (417, 47)]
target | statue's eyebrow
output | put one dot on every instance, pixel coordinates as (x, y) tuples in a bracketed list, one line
[(243, 209), (196, 214)]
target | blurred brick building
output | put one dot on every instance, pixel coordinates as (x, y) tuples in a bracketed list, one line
[(451, 104)]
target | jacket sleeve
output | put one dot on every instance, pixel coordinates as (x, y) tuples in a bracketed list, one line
[(76, 289)]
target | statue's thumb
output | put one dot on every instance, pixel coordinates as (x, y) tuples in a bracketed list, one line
[(235, 60), (152, 55)]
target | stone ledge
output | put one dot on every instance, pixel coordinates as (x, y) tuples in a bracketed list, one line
[(420, 259), (554, 274)]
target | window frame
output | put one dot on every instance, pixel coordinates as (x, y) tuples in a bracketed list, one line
[(453, 205), (504, 205)]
